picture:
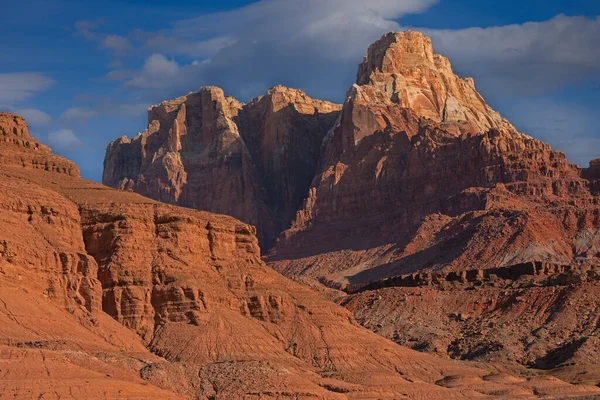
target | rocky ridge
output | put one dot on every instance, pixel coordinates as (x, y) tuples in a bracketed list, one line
[(448, 194)]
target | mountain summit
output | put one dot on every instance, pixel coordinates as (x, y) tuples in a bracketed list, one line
[(401, 68), (208, 151)]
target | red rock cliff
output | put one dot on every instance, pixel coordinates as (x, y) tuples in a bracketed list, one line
[(419, 173), (106, 293), (207, 151)]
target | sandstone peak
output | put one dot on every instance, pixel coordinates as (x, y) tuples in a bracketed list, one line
[(394, 51), (401, 68)]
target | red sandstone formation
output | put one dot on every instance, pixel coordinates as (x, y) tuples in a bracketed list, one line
[(437, 178), (207, 151), (426, 203), (107, 294), (421, 181)]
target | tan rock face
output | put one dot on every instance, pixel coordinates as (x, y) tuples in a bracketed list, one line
[(402, 68), (80, 263), (207, 151)]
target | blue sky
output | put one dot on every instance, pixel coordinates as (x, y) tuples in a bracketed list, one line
[(84, 73)]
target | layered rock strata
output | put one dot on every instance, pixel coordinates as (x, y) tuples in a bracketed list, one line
[(207, 151), (109, 294), (420, 173), (420, 180)]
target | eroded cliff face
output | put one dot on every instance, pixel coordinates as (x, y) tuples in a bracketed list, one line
[(55, 340), (106, 293), (19, 147), (207, 151), (42, 227), (401, 68), (422, 184), (406, 184)]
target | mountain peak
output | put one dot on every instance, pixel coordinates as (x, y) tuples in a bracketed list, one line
[(394, 51), (404, 70)]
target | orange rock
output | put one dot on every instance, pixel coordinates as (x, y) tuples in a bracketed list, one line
[(420, 175), (206, 317)]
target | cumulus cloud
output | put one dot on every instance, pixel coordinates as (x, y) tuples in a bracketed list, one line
[(159, 72), (16, 87), (64, 140), (312, 44), (116, 43), (35, 118), (78, 115), (529, 58)]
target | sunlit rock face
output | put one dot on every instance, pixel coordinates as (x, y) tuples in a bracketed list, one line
[(210, 152), (423, 194)]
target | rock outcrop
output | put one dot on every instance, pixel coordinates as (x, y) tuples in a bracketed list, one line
[(406, 185), (15, 138), (55, 341), (207, 151), (105, 293), (421, 180)]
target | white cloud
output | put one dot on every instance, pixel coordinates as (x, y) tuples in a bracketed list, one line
[(534, 57), (316, 45), (77, 115), (64, 140), (332, 28), (116, 43), (157, 72), (19, 86), (312, 44), (35, 118)]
